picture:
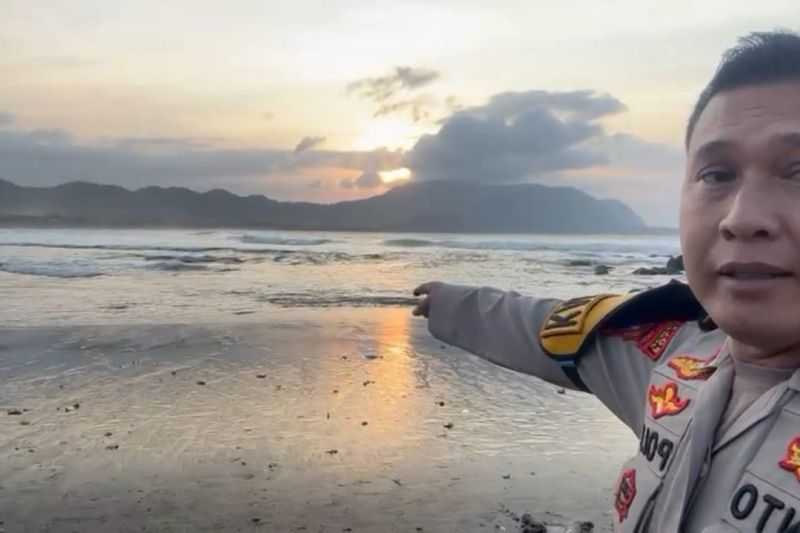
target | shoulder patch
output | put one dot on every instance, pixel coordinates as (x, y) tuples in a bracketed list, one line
[(566, 328), (571, 323), (651, 339)]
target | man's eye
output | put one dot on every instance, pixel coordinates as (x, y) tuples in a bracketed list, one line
[(716, 176), (793, 173)]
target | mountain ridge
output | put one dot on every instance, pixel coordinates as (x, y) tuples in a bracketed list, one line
[(436, 206)]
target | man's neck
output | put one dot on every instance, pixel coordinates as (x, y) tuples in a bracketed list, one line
[(787, 358)]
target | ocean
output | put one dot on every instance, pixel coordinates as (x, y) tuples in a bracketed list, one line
[(103, 276)]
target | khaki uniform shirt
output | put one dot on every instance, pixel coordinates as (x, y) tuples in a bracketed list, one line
[(670, 382)]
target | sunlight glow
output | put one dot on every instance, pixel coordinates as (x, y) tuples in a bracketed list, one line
[(388, 132), (398, 174)]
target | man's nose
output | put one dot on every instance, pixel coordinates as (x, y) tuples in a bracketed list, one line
[(751, 213)]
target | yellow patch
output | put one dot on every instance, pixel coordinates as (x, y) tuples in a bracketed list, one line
[(566, 328)]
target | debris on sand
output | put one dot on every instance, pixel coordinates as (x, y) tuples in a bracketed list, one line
[(261, 376), (112, 447), (368, 382), (201, 382), (449, 425), (333, 451), (14, 412)]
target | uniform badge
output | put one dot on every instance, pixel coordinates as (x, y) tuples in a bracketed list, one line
[(626, 492), (688, 367), (665, 401), (792, 460), (652, 339)]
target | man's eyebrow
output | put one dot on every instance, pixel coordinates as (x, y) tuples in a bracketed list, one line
[(716, 147)]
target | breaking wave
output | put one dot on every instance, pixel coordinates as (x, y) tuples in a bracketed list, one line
[(49, 271), (258, 239), (338, 300)]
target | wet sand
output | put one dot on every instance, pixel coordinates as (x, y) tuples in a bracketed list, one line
[(318, 421)]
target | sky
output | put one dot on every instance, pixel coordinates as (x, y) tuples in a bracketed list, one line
[(329, 101)]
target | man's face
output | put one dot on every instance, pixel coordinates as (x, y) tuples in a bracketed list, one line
[(740, 214)]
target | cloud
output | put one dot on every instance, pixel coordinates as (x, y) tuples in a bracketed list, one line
[(390, 92), (307, 143), (367, 180), (514, 137), (383, 88), (6, 119), (51, 157), (419, 107)]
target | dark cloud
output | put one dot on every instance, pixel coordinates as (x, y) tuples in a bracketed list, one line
[(571, 105), (52, 157), (384, 88), (419, 107), (386, 91), (6, 119), (515, 136), (307, 143), (367, 180)]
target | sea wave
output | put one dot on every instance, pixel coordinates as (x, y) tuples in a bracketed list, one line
[(49, 271), (193, 259), (176, 266), (300, 299), (282, 241), (409, 243)]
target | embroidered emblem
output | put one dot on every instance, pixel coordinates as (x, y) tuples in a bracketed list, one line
[(652, 339), (665, 401), (792, 460), (688, 367), (626, 492)]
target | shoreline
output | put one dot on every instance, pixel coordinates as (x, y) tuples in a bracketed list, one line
[(313, 421)]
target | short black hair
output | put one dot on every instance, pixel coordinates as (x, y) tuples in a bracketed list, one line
[(758, 58)]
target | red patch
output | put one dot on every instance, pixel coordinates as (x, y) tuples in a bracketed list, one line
[(652, 339), (665, 401), (792, 460), (688, 367), (626, 492)]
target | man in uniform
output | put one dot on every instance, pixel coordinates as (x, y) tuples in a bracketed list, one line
[(705, 374)]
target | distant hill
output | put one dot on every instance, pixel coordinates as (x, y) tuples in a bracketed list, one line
[(443, 206)]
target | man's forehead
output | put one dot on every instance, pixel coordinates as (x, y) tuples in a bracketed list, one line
[(761, 113)]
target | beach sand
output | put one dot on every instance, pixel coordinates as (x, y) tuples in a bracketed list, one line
[(313, 420)]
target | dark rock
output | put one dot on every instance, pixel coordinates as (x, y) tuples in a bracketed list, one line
[(261, 376), (675, 264), (441, 404), (581, 527), (15, 412), (534, 527), (579, 263), (654, 271), (561, 391), (332, 452), (601, 270), (507, 476), (449, 425), (112, 447), (201, 382)]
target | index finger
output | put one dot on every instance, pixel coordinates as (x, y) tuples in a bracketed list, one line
[(425, 288)]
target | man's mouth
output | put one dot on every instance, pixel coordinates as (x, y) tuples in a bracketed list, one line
[(753, 271)]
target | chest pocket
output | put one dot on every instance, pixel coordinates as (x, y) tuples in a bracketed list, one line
[(767, 498)]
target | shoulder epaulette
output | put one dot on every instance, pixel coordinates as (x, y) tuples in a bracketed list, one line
[(571, 324)]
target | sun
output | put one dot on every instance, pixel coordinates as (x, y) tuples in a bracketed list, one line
[(397, 174), (388, 132)]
